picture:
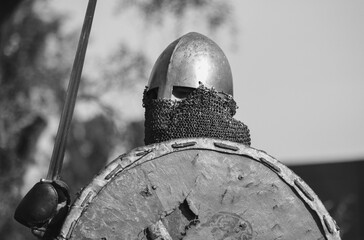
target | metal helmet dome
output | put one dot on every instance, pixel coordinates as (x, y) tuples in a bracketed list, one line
[(188, 61)]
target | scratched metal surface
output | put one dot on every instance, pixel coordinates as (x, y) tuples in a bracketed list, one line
[(199, 191)]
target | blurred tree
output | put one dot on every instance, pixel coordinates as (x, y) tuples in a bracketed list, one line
[(89, 146), (35, 60), (23, 75), (7, 8), (212, 12)]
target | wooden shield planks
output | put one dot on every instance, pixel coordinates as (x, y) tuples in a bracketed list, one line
[(199, 189)]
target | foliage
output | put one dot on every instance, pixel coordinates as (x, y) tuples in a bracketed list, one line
[(23, 75), (215, 13), (35, 62)]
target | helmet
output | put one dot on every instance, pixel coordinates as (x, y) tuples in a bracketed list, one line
[(188, 61)]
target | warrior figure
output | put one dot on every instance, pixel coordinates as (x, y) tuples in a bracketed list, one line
[(197, 177), (190, 94)]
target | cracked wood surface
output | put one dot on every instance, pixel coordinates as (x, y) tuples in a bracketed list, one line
[(197, 193)]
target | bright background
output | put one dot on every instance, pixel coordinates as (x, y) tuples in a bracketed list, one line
[(298, 69)]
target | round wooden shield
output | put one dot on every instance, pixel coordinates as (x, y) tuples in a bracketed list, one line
[(198, 189)]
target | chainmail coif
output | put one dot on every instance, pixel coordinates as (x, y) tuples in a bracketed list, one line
[(202, 114)]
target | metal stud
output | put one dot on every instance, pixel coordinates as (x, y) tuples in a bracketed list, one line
[(183, 145), (270, 165), (303, 189), (226, 146)]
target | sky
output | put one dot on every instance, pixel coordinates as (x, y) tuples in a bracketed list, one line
[(298, 69)]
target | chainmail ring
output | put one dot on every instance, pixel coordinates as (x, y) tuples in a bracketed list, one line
[(202, 114)]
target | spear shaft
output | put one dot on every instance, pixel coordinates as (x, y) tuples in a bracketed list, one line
[(55, 165)]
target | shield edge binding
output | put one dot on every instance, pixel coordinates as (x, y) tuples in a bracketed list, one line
[(146, 153)]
